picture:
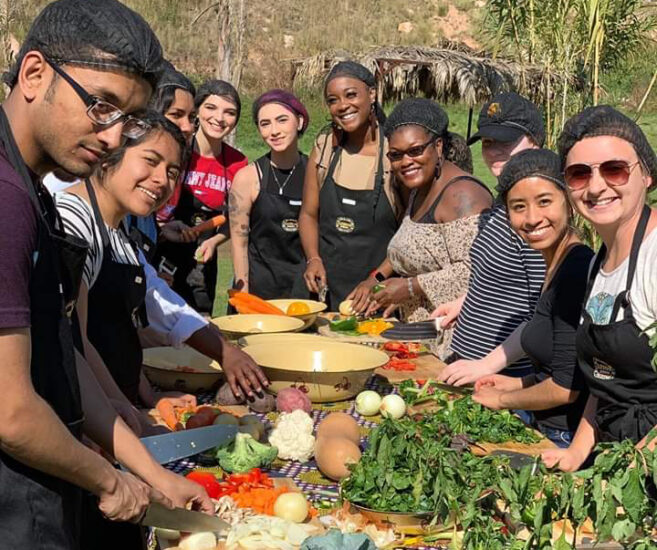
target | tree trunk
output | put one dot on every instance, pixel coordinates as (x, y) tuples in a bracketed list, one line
[(231, 48)]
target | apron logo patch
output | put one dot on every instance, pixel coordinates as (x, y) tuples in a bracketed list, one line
[(290, 225), (294, 203), (345, 225), (603, 371), (350, 202)]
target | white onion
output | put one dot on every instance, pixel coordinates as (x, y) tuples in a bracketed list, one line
[(199, 541), (393, 406), (291, 506), (368, 403)]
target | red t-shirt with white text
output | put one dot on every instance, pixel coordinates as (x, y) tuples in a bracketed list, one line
[(208, 179)]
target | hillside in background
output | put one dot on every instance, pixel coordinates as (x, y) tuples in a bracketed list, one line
[(279, 32)]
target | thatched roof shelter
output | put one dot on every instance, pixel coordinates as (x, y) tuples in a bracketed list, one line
[(450, 73)]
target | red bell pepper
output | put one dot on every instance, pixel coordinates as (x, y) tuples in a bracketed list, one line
[(206, 480)]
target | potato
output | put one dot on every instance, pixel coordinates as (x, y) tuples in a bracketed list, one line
[(263, 404)]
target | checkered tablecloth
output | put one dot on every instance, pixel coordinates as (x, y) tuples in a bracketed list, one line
[(307, 476)]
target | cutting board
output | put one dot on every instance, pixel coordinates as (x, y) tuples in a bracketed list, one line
[(427, 366)]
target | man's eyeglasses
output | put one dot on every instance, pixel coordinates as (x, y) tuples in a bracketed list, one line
[(413, 152), (614, 172), (102, 112)]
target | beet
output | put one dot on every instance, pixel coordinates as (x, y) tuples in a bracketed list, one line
[(261, 404), (225, 396), (291, 399)]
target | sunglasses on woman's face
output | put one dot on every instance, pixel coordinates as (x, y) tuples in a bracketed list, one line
[(413, 152), (614, 172)]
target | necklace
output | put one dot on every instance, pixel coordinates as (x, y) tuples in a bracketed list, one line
[(281, 187)]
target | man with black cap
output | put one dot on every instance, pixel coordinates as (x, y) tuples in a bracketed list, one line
[(507, 275), (84, 67)]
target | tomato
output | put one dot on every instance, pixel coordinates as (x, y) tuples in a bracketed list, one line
[(394, 346), (207, 481), (198, 421)]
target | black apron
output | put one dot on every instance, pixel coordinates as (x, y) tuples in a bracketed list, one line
[(116, 307), (355, 228), (195, 282), (275, 254), (40, 511), (616, 360), (143, 241)]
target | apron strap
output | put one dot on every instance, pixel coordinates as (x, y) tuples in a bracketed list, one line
[(97, 215), (623, 299), (378, 178)]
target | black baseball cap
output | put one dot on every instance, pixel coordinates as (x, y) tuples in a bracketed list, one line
[(507, 117)]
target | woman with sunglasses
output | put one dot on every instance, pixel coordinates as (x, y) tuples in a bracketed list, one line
[(203, 194), (552, 398), (609, 167), (429, 254), (265, 200), (350, 206)]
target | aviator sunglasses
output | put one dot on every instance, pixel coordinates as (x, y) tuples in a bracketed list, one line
[(614, 172), (413, 152), (102, 112)]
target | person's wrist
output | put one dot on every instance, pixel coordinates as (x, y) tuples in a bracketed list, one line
[(106, 482), (313, 259)]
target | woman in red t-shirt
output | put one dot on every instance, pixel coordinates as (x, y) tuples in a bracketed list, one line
[(204, 191)]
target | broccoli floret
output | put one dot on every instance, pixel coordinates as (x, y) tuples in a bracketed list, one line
[(245, 453)]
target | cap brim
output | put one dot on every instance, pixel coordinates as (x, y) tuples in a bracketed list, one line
[(496, 132)]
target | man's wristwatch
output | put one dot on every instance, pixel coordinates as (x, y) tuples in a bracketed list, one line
[(378, 276)]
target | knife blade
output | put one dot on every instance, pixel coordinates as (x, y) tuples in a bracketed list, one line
[(517, 460), (460, 390), (174, 446), (180, 519)]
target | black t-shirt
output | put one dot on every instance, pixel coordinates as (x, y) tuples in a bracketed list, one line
[(549, 337)]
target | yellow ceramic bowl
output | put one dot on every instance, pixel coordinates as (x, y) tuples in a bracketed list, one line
[(327, 371), (236, 326), (183, 369), (307, 318), (287, 337)]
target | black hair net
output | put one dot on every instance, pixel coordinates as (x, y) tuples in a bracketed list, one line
[(540, 163), (99, 34), (171, 78), (222, 89), (418, 111), (604, 120)]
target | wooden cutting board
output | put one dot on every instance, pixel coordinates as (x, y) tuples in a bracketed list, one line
[(427, 366)]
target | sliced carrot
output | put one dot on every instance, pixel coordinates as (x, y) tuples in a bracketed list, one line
[(168, 414)]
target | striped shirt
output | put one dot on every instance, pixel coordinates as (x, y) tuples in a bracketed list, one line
[(505, 284), (78, 219)]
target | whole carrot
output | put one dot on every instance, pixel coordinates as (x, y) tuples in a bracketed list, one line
[(207, 225)]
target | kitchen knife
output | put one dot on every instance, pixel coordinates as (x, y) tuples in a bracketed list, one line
[(460, 390), (517, 460), (180, 519), (176, 445)]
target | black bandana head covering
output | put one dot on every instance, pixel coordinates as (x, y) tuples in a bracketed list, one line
[(97, 34), (171, 78), (418, 111), (530, 163), (604, 120), (350, 69)]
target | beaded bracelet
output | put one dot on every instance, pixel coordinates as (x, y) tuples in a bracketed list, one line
[(411, 292)]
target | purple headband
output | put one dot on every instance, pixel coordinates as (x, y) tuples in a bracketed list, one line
[(287, 100)]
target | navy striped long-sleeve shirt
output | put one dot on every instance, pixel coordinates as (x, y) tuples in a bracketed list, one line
[(505, 284)]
